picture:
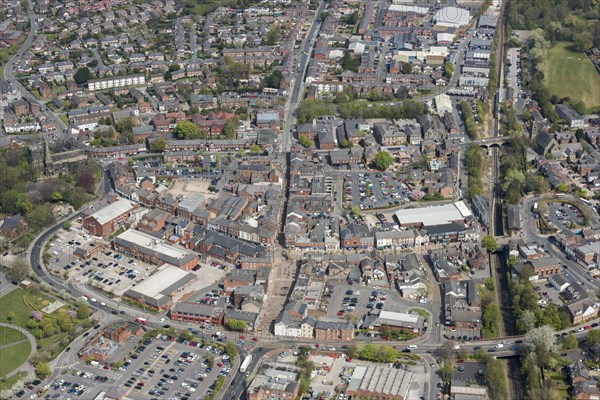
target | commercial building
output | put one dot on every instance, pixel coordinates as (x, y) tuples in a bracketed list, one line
[(379, 383), (452, 17), (198, 313), (395, 321), (158, 290), (431, 216), (108, 219), (277, 381), (569, 114), (156, 251)]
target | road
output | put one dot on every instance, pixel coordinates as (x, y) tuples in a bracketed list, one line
[(298, 85), (193, 42), (8, 68)]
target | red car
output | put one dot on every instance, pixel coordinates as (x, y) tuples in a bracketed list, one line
[(219, 365), (586, 327), (242, 337), (106, 367), (254, 339)]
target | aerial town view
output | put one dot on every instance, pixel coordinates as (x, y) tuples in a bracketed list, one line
[(300, 199)]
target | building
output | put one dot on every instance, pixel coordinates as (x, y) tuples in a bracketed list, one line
[(274, 382), (156, 251), (116, 82), (569, 114), (120, 331), (582, 310), (334, 329), (197, 313), (452, 17), (395, 321), (513, 215), (443, 104), (108, 219), (158, 290), (543, 267), (13, 226), (430, 216), (381, 383)]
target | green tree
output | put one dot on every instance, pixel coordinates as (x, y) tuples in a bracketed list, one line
[(158, 145), (66, 225), (495, 379), (231, 350), (18, 271), (446, 371), (569, 342), (305, 141), (230, 126), (383, 160), (236, 325), (273, 36), (562, 188), (42, 370), (186, 130), (583, 41), (489, 243), (186, 335), (255, 149), (592, 339), (10, 315), (345, 143), (82, 75), (83, 311)]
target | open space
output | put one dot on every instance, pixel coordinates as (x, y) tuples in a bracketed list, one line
[(571, 74), (22, 302), (15, 350)]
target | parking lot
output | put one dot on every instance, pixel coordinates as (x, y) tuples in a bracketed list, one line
[(564, 215), (368, 190), (158, 369)]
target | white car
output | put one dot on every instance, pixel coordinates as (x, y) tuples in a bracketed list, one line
[(499, 346), (161, 320)]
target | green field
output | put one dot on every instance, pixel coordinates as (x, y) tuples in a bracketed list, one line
[(571, 74), (16, 301), (8, 335), (13, 356)]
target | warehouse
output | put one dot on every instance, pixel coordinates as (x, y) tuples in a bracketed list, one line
[(108, 219), (379, 382), (431, 216), (158, 290), (156, 251), (452, 17)]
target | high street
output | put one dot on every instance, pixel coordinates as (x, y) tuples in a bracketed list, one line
[(8, 68)]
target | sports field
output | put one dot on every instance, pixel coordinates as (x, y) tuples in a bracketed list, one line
[(571, 74)]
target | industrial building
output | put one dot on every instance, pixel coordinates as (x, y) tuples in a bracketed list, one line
[(431, 216), (156, 251), (158, 290), (108, 219), (452, 17), (379, 383)]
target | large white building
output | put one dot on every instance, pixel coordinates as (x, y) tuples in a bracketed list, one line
[(434, 215), (452, 17)]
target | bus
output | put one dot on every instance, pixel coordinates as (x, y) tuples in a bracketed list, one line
[(141, 321), (246, 363)]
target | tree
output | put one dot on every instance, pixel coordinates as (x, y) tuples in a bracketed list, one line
[(82, 76), (66, 225), (174, 67), (231, 351), (158, 145), (272, 36), (10, 315), (83, 311), (383, 160), (305, 141), (562, 188), (236, 325), (345, 143), (186, 335), (592, 338), (489, 243), (186, 130), (230, 126), (446, 371), (569, 342), (18, 271), (406, 68), (42, 370), (583, 41), (495, 379), (210, 359), (255, 149)]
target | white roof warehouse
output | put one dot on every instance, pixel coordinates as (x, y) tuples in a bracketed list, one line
[(432, 216), (157, 290)]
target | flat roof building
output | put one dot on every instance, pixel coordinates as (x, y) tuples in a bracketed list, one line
[(157, 291), (432, 216), (379, 382), (156, 251), (452, 17)]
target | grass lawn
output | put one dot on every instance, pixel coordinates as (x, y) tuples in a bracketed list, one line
[(8, 335), (571, 74), (15, 301), (419, 311), (8, 383), (12, 357)]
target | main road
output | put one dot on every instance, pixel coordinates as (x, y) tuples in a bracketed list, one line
[(8, 68)]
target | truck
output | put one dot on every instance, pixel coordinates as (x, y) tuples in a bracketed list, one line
[(141, 321), (246, 363)]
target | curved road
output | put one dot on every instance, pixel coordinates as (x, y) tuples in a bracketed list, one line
[(32, 342)]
